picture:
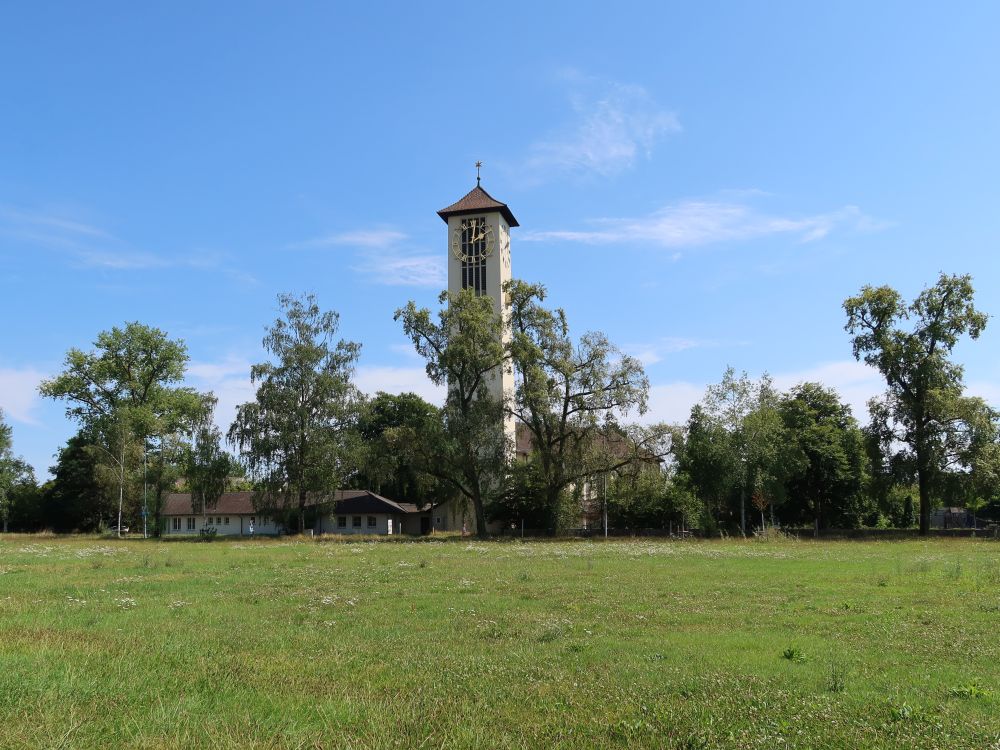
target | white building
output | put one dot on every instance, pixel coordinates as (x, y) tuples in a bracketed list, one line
[(233, 515), (346, 512)]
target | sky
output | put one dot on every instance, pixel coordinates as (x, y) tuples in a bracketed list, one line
[(704, 182)]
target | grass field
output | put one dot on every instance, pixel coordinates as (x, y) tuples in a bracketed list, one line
[(290, 643)]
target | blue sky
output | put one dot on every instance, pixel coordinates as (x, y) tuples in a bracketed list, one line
[(704, 182)]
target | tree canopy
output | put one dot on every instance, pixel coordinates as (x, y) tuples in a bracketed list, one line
[(124, 392), (574, 397), (295, 437), (468, 448), (384, 465), (924, 407)]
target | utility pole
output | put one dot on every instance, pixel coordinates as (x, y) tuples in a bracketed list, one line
[(145, 508), (743, 497), (743, 510), (604, 483)]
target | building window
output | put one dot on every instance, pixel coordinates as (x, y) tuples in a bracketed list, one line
[(227, 520), (190, 524), (252, 519), (371, 522), (341, 522), (356, 522), (175, 524), (474, 250)]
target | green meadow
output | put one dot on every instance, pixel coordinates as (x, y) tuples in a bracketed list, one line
[(303, 644)]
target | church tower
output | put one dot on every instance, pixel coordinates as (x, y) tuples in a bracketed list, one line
[(479, 257)]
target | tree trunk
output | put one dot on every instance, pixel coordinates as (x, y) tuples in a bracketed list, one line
[(121, 494), (923, 481), (480, 511), (302, 511), (156, 515)]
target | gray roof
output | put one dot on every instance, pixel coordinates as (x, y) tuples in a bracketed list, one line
[(241, 503)]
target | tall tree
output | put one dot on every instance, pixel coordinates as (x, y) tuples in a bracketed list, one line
[(983, 462), (125, 391), (294, 438), (750, 440), (206, 465), (573, 397), (13, 472), (75, 500), (20, 499), (827, 455), (467, 449), (20, 496), (383, 466), (924, 405), (7, 470), (709, 464), (164, 466)]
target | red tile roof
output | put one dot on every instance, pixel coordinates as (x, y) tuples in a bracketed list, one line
[(233, 503), (476, 201)]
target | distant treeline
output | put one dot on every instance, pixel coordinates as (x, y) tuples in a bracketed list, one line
[(748, 456)]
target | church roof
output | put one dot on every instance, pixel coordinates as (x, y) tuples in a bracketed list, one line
[(476, 201)]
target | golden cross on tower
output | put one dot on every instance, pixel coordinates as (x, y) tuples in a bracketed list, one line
[(478, 165)]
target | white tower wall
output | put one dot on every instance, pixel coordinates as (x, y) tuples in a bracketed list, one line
[(498, 272)]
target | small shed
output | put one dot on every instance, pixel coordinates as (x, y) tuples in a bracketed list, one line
[(951, 518)]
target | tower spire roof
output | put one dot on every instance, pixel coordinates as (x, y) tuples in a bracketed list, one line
[(476, 201)]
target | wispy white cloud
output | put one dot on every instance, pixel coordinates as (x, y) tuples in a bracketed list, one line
[(90, 246), (651, 352), (13, 218), (404, 270), (382, 258), (692, 223), (613, 125), (19, 393), (367, 238), (122, 261)]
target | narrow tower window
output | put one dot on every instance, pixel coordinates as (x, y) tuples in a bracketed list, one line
[(474, 252)]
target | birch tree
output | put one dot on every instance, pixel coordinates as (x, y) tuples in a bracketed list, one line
[(295, 437)]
